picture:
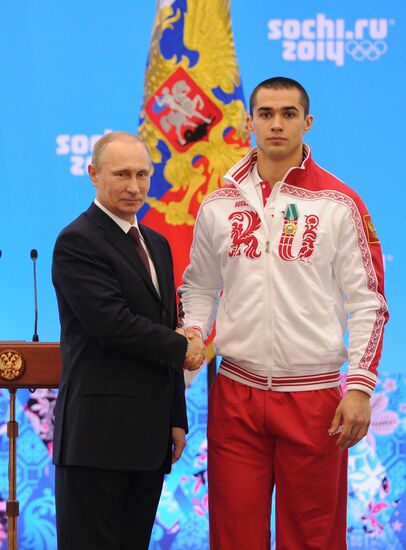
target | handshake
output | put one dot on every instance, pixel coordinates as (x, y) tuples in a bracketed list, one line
[(196, 350)]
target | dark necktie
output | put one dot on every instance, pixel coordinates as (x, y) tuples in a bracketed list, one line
[(266, 190), (135, 237)]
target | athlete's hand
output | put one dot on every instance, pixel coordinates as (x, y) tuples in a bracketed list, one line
[(352, 418), (196, 351)]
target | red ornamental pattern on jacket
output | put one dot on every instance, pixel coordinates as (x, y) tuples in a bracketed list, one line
[(288, 235), (243, 227), (246, 222)]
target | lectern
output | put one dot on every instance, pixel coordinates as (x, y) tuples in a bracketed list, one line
[(24, 365)]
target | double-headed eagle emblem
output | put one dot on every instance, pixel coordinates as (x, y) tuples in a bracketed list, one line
[(11, 365)]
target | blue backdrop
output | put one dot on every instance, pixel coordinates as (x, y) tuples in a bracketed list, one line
[(74, 70)]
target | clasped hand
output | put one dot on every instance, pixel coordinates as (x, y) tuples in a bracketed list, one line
[(196, 351)]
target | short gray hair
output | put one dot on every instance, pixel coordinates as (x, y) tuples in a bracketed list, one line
[(102, 143)]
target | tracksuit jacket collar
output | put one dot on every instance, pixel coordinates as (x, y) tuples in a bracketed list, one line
[(240, 172)]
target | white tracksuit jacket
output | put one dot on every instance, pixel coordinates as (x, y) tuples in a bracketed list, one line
[(286, 281)]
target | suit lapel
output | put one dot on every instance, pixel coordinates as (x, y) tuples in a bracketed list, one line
[(122, 242)]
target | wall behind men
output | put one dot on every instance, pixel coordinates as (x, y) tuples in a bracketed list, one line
[(74, 70)]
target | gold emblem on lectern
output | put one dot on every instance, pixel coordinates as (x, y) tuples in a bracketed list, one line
[(11, 365)]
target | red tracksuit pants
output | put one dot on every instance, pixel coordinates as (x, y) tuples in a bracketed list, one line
[(258, 440)]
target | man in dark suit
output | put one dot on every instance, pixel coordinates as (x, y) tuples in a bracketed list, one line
[(120, 417)]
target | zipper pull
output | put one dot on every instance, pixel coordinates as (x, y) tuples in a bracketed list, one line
[(267, 248)]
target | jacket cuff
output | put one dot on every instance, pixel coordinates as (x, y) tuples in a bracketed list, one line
[(180, 351), (361, 379)]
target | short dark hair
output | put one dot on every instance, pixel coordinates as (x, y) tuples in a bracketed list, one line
[(277, 83)]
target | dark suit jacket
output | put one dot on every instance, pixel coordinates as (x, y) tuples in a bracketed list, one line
[(122, 386)]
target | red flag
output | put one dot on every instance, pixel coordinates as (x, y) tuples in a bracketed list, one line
[(193, 119)]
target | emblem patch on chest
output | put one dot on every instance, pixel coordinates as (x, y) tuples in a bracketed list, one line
[(290, 220), (243, 226)]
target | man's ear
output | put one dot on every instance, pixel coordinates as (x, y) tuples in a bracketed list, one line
[(308, 123), (91, 170), (249, 125)]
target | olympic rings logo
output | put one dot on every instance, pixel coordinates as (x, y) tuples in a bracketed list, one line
[(365, 49)]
